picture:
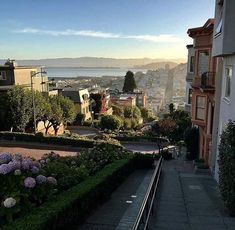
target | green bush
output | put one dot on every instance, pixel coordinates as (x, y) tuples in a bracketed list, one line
[(46, 139), (75, 204), (191, 140), (227, 167)]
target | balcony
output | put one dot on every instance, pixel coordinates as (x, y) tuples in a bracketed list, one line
[(205, 82)]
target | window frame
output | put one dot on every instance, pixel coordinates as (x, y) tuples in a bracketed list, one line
[(200, 107), (3, 77), (227, 76)]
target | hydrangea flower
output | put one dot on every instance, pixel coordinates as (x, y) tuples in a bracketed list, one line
[(9, 202), (34, 170), (15, 164), (41, 179), (5, 168), (51, 180), (5, 158), (29, 182), (17, 172), (27, 163)]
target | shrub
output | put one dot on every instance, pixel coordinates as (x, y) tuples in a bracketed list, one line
[(75, 204), (110, 122), (191, 140), (227, 167), (46, 139)]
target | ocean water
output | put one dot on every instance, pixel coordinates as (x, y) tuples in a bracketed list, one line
[(54, 72)]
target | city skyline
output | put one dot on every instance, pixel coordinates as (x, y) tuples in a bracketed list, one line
[(116, 29)]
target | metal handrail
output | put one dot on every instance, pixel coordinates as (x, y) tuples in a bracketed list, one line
[(147, 204)]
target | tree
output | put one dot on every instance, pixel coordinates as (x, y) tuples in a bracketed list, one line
[(20, 107), (129, 83), (117, 110), (132, 111), (110, 122), (61, 110), (4, 107)]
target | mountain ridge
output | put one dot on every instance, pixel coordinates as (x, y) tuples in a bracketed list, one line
[(94, 62)]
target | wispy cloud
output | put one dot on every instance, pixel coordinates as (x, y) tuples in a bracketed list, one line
[(99, 34)]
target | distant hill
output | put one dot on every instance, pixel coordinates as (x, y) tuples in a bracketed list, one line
[(157, 65), (95, 62)]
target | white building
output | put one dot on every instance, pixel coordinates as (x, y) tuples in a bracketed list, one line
[(224, 46)]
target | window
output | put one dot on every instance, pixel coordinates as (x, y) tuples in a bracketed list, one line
[(218, 27), (84, 111), (203, 61), (3, 75), (200, 107), (190, 96), (228, 78), (191, 64)]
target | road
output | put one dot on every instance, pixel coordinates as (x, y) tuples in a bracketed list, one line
[(141, 147)]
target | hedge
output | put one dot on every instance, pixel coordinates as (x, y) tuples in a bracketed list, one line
[(75, 204), (46, 139)]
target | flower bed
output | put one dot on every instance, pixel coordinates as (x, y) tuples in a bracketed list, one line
[(26, 183), (75, 204)]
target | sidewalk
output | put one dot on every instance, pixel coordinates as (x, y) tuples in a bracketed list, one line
[(188, 201)]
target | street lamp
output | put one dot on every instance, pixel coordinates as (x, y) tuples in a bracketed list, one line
[(34, 114)]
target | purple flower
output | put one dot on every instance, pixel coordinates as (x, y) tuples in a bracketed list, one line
[(41, 179), (5, 158), (34, 170), (15, 164), (29, 182), (27, 163), (51, 180), (4, 169)]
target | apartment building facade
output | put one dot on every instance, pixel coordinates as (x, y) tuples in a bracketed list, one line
[(224, 50), (11, 74), (203, 86), (81, 99)]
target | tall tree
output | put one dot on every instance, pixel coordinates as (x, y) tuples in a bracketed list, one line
[(129, 83), (20, 107)]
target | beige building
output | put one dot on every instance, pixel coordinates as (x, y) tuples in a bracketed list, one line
[(11, 74), (81, 99)]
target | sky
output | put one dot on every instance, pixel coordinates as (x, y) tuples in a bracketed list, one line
[(36, 29)]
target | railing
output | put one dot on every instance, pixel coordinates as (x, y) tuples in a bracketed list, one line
[(147, 206), (205, 81)]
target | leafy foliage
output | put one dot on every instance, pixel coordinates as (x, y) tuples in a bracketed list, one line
[(19, 107), (191, 140), (110, 122), (227, 166)]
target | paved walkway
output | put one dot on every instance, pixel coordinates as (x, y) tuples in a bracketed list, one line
[(188, 201), (120, 211)]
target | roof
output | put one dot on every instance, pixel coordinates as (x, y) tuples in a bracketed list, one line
[(205, 29), (76, 94)]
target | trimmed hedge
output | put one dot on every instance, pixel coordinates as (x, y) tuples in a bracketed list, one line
[(75, 204), (46, 139)]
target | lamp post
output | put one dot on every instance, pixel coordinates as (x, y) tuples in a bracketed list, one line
[(34, 114)]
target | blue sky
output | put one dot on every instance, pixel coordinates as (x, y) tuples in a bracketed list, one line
[(34, 29)]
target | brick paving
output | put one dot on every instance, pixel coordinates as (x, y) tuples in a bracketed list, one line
[(188, 201)]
